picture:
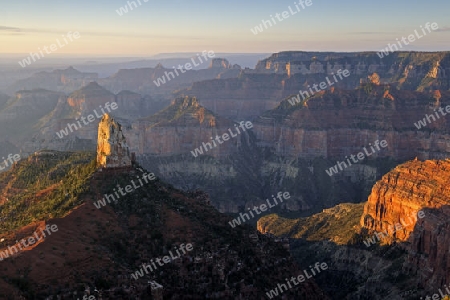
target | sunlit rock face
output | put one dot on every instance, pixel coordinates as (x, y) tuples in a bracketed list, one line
[(395, 202), (112, 148)]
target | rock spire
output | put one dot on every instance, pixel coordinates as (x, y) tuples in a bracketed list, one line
[(112, 148)]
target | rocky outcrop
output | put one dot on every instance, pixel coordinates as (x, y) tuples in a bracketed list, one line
[(112, 148), (94, 97), (133, 105), (29, 104), (397, 199), (89, 100)]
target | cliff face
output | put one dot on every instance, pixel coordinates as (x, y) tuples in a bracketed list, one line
[(112, 148), (163, 142), (284, 74), (397, 198), (338, 123), (94, 97), (331, 124), (286, 145), (406, 69), (132, 105), (410, 205), (219, 63)]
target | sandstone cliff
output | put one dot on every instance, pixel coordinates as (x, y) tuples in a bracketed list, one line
[(397, 198), (411, 203)]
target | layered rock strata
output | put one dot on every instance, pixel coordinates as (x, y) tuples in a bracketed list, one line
[(397, 198), (405, 68), (337, 123)]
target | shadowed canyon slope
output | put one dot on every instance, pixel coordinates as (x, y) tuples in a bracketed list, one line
[(408, 208)]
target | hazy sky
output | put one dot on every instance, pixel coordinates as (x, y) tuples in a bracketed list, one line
[(222, 26)]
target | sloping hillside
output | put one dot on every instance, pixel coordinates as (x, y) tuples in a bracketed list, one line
[(100, 247)]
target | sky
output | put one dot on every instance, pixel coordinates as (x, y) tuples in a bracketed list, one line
[(221, 26)]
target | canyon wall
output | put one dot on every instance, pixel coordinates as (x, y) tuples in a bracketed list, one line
[(336, 123), (407, 69), (397, 199), (409, 210), (285, 74)]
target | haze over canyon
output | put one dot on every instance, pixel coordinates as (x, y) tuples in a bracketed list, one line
[(184, 150)]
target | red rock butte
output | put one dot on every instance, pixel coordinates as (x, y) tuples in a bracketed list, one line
[(404, 191)]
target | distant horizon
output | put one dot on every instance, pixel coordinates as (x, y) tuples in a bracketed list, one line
[(186, 54), (88, 62), (138, 56)]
